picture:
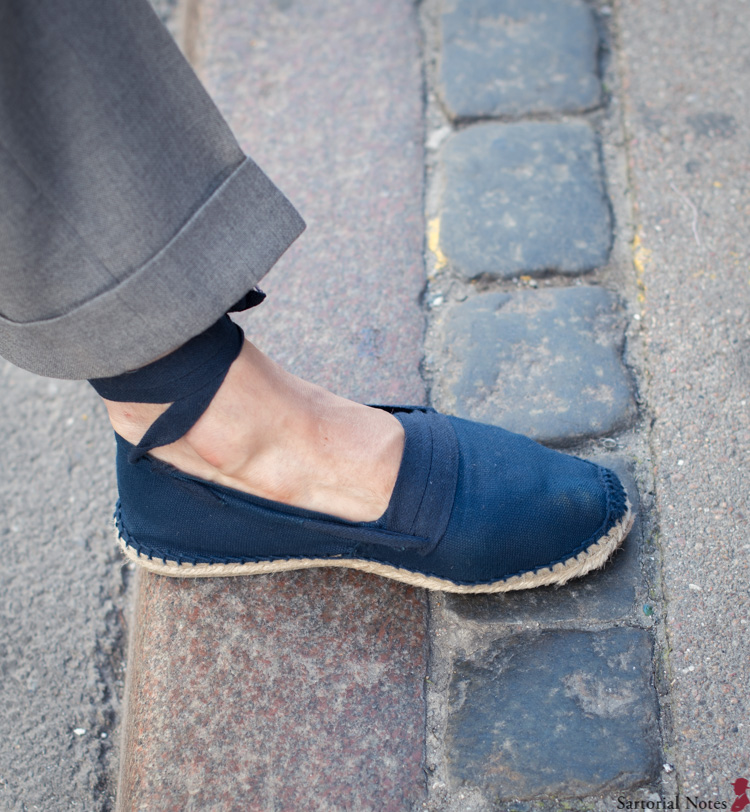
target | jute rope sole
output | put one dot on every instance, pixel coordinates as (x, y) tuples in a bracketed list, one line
[(590, 559)]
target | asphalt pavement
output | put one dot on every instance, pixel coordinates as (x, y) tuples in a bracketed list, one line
[(686, 77)]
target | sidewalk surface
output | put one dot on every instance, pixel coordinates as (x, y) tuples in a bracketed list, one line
[(527, 213), (686, 71)]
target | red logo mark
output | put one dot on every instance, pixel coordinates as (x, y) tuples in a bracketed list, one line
[(740, 789)]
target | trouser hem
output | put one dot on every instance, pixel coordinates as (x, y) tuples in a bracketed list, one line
[(223, 251)]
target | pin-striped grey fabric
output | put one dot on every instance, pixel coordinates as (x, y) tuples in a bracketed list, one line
[(130, 219)]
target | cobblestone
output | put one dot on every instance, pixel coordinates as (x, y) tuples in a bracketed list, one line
[(529, 361), (515, 57), (554, 713), (524, 198)]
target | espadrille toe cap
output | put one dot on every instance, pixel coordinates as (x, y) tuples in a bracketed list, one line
[(520, 507)]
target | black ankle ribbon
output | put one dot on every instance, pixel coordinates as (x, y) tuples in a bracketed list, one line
[(187, 378)]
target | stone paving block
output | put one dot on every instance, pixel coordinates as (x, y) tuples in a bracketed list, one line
[(515, 57), (326, 96), (603, 596), (543, 363), (556, 713), (524, 198), (301, 691)]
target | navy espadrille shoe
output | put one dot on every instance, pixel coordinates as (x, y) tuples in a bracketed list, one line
[(475, 509)]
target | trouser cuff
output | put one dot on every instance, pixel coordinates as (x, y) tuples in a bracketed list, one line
[(223, 250)]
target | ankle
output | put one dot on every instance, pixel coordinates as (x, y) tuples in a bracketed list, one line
[(269, 433), (132, 420)]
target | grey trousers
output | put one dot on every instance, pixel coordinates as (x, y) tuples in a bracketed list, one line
[(130, 220)]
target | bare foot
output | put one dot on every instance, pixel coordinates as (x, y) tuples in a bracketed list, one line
[(271, 434)]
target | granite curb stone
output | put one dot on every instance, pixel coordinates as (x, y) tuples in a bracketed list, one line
[(516, 57), (326, 96), (304, 691), (555, 713), (545, 363), (524, 198), (293, 691), (604, 596)]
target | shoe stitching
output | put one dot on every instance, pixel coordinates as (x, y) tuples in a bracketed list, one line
[(545, 577), (153, 553)]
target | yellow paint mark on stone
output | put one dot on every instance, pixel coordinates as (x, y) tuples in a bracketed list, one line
[(641, 255), (433, 243)]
